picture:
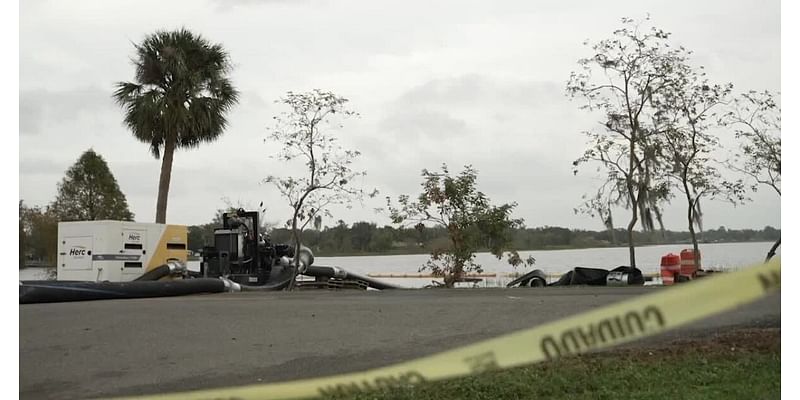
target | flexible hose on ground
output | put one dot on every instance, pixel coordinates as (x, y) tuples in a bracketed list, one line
[(154, 274), (280, 284), (336, 272), (147, 285), (534, 278), (60, 291)]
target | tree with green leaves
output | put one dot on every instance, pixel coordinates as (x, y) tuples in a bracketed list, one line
[(179, 99), (756, 120), (305, 133), (382, 239), (471, 221), (361, 235), (90, 192), (340, 236), (23, 236), (39, 227), (619, 79)]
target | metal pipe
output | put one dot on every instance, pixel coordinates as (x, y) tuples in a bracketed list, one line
[(306, 258), (172, 267)]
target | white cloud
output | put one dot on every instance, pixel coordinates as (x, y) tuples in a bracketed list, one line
[(453, 82)]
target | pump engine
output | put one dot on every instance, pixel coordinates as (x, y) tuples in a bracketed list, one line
[(241, 253)]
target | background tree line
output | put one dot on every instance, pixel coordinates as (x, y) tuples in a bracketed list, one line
[(362, 238)]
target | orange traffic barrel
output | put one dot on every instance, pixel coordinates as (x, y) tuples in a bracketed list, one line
[(670, 268), (688, 267)]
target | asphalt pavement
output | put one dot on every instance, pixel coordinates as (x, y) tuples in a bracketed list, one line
[(144, 346)]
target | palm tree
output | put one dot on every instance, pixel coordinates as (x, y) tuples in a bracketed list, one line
[(179, 99)]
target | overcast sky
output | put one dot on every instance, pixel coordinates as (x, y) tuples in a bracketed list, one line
[(457, 82)]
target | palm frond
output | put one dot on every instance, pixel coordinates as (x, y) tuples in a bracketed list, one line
[(180, 92)]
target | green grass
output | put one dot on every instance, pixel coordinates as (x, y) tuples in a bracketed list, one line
[(720, 373)]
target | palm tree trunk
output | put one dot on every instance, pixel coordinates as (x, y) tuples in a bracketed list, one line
[(163, 182)]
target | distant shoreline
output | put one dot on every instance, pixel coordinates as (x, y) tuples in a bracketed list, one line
[(406, 252)]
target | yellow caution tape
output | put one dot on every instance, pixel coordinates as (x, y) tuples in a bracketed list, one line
[(605, 327)]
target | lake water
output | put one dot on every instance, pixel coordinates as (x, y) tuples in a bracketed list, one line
[(33, 274), (726, 256)]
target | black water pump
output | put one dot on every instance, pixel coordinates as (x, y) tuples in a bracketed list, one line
[(241, 253)]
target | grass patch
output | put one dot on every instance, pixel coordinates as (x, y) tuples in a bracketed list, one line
[(745, 365)]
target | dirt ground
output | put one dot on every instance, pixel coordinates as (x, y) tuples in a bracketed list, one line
[(734, 341)]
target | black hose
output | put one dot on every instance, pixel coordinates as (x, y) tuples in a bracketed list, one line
[(536, 277), (60, 291), (281, 282), (155, 273), (266, 288), (336, 272)]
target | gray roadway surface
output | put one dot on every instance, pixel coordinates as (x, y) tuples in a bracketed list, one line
[(144, 346)]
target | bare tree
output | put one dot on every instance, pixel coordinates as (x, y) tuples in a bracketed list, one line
[(756, 119), (619, 80), (304, 133), (602, 203), (687, 144)]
